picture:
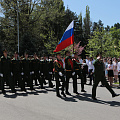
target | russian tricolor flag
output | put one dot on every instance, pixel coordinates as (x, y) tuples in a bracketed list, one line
[(67, 38)]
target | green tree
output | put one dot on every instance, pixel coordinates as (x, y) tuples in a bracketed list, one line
[(100, 41)]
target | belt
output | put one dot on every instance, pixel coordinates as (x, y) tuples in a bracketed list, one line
[(68, 70), (57, 71), (76, 69)]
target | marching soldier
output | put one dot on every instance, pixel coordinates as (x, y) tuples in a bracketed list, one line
[(36, 69), (78, 71), (51, 67), (26, 71), (16, 70), (100, 76), (6, 72), (70, 72), (59, 73), (44, 69)]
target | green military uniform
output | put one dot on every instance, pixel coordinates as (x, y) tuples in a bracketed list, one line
[(26, 70), (69, 71), (16, 70), (59, 68), (6, 71), (36, 70), (100, 76), (78, 71)]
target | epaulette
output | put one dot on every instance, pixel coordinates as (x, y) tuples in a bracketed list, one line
[(32, 59), (9, 57), (50, 60), (23, 58), (41, 60), (13, 59)]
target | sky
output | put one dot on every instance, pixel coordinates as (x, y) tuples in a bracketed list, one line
[(106, 10)]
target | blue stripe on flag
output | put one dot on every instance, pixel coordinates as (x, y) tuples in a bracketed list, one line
[(67, 34)]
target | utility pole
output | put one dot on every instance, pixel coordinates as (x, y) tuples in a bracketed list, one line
[(18, 26)]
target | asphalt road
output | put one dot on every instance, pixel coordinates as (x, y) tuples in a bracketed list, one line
[(44, 105)]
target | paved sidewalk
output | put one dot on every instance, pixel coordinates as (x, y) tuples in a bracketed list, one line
[(44, 105)]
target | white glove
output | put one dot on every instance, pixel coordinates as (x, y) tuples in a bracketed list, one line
[(22, 73), (32, 72), (1, 74), (50, 72), (11, 74), (41, 73), (60, 73), (73, 73)]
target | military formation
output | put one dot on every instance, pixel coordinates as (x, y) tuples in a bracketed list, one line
[(33, 71)]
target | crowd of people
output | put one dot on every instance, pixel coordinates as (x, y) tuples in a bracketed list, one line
[(30, 71)]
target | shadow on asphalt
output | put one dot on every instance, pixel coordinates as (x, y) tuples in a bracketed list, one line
[(87, 97), (71, 98), (8, 93)]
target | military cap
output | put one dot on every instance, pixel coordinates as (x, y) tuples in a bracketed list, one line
[(58, 54), (67, 51), (4, 50)]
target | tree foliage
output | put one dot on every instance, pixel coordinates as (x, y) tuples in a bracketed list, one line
[(43, 22)]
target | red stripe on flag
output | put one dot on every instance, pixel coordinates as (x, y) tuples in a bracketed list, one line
[(64, 44)]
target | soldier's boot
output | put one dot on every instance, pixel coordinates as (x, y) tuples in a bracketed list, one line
[(63, 94)]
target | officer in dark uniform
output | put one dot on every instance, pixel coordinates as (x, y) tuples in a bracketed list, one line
[(6, 72), (59, 74), (44, 69), (51, 66), (100, 76), (16, 70), (70, 72), (78, 71), (36, 69), (27, 71)]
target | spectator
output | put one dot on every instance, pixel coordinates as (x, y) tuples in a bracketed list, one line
[(110, 72)]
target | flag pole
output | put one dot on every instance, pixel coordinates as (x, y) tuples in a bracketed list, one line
[(73, 38)]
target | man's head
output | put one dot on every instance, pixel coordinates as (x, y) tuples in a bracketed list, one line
[(5, 52), (99, 56), (26, 54), (16, 55), (44, 56), (58, 55), (75, 55), (35, 55), (67, 53)]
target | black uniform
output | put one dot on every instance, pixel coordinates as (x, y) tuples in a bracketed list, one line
[(26, 69), (6, 70), (51, 67), (84, 72), (16, 70), (78, 71), (44, 70), (36, 70)]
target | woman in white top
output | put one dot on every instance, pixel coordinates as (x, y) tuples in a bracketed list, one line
[(110, 72), (115, 71)]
